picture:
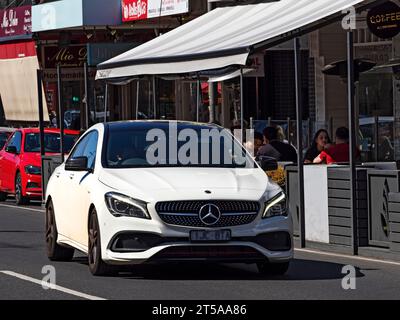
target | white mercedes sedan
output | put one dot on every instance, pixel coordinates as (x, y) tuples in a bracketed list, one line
[(156, 191)]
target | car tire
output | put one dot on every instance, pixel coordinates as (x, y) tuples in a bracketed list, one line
[(96, 265), (19, 198), (3, 196), (273, 269), (55, 252)]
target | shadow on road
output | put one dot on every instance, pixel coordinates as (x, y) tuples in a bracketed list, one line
[(298, 270)]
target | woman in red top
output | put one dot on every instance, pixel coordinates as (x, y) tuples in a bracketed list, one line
[(338, 152)]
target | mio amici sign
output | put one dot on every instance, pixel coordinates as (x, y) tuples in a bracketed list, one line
[(15, 22), (144, 9), (384, 20)]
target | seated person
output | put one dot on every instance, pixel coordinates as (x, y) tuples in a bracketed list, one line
[(340, 152), (256, 144), (267, 149), (320, 143), (277, 149)]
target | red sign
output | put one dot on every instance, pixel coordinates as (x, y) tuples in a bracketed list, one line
[(16, 21), (134, 10)]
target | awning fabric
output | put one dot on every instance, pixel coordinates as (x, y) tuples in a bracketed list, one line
[(18, 84), (220, 38)]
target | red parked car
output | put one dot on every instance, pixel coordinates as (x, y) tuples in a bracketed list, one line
[(20, 162)]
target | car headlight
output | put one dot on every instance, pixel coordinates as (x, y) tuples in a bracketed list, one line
[(276, 206), (121, 205), (33, 170)]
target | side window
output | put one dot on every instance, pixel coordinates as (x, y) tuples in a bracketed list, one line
[(91, 148), (15, 141), (87, 148)]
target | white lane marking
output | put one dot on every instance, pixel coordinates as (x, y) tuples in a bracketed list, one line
[(56, 287), (331, 254), (22, 208)]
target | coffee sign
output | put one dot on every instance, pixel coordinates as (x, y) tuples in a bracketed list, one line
[(384, 20), (16, 22)]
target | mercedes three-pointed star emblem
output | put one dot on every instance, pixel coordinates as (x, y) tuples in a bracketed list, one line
[(209, 214)]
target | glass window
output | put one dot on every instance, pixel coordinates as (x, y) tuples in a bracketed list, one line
[(130, 147), (15, 141), (87, 148), (3, 139), (51, 142)]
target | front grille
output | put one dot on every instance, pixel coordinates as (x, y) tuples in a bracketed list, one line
[(186, 213), (223, 253)]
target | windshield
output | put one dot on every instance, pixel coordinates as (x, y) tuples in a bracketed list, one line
[(51, 142), (164, 146)]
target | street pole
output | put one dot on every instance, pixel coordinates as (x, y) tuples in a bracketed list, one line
[(300, 165), (39, 76), (60, 111), (106, 103), (352, 144), (198, 89), (154, 98), (86, 75), (241, 107), (137, 98)]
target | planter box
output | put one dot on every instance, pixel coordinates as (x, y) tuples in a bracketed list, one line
[(394, 221), (340, 227)]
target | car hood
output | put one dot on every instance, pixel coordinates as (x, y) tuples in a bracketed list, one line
[(187, 183)]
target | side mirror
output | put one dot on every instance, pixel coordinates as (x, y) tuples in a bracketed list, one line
[(77, 164), (12, 149), (267, 163)]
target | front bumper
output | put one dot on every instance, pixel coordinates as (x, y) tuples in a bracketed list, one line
[(153, 241), (33, 186)]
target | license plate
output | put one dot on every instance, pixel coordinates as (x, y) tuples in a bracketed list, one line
[(210, 235)]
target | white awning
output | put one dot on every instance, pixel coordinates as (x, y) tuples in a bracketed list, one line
[(220, 38)]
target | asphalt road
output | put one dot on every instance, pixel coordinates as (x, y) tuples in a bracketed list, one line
[(312, 275)]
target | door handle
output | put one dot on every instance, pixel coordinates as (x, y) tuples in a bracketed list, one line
[(71, 176), (57, 174)]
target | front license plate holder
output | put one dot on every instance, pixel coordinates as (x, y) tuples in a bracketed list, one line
[(210, 235)]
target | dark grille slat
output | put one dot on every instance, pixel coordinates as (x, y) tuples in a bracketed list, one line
[(171, 212)]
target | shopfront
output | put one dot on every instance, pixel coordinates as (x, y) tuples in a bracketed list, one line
[(18, 65)]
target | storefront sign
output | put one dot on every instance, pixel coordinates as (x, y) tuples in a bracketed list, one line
[(70, 74), (384, 20), (100, 52), (15, 22), (64, 14), (72, 56), (143, 9)]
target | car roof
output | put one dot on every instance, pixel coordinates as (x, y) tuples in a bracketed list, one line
[(48, 130), (143, 124)]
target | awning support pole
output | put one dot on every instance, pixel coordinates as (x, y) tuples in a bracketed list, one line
[(60, 111), (299, 127), (198, 89), (241, 107), (137, 98), (154, 98), (87, 113), (352, 142), (106, 103), (41, 122)]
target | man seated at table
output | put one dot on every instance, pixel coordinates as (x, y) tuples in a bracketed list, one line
[(277, 149)]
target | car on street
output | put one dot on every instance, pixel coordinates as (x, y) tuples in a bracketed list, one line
[(20, 161), (129, 203), (4, 135)]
